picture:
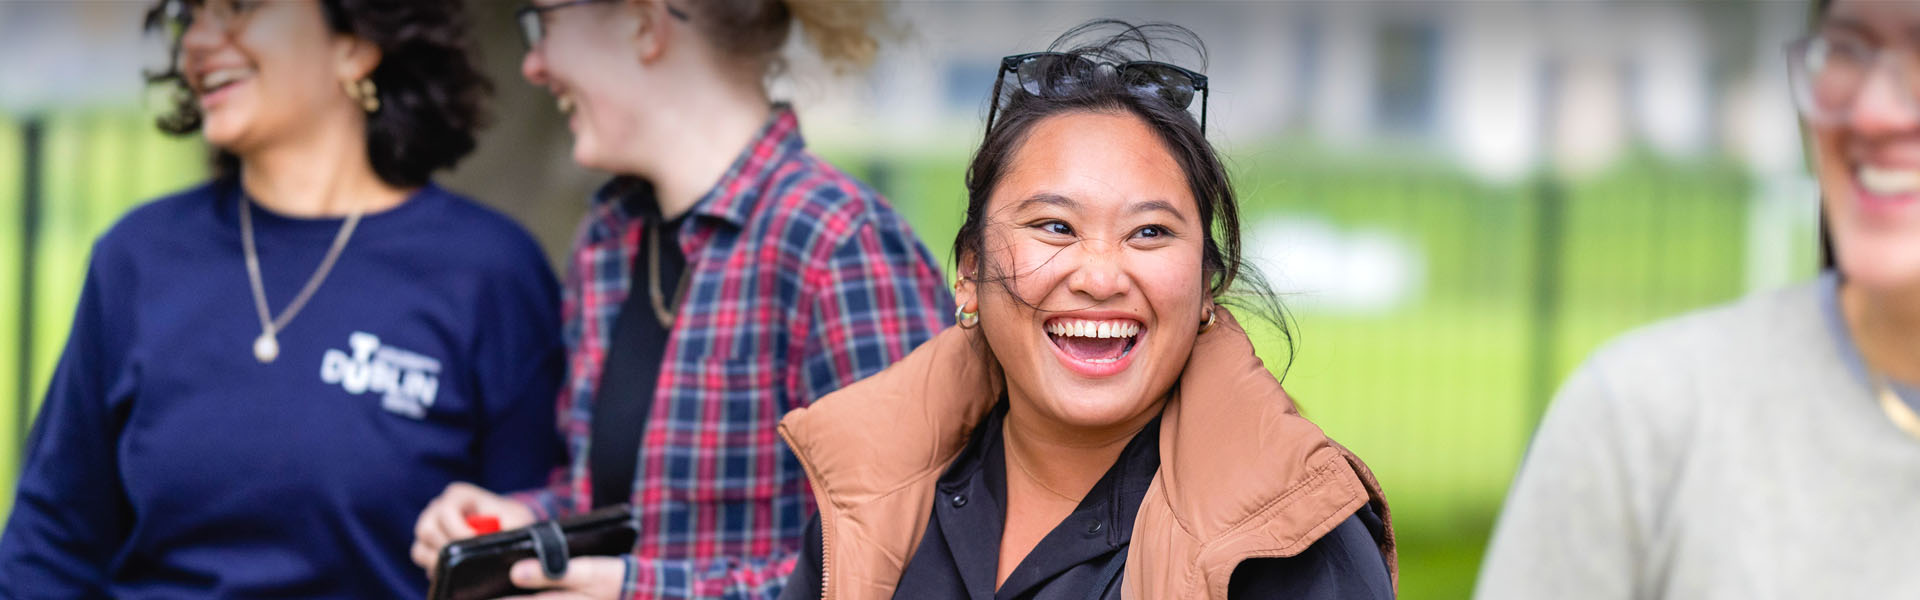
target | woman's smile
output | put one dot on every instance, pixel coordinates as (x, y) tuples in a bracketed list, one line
[(1887, 193), (217, 84), (1094, 345)]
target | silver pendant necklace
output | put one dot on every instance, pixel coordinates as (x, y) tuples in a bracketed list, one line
[(267, 346)]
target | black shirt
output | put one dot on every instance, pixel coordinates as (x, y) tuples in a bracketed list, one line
[(639, 344), (959, 555)]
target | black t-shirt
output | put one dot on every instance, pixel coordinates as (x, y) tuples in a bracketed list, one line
[(632, 371)]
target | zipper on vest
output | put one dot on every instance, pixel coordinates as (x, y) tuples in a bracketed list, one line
[(826, 560), (823, 509)]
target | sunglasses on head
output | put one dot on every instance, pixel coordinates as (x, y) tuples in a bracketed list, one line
[(1046, 74)]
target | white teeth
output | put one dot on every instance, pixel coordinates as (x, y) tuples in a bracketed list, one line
[(1888, 182), (1093, 329), (221, 77), (565, 103)]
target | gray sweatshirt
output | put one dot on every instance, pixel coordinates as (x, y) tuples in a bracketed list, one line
[(1737, 452)]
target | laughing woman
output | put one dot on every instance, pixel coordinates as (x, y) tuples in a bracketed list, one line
[(1096, 426), (1769, 448), (269, 375)]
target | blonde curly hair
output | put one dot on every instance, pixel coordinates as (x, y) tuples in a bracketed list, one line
[(843, 32)]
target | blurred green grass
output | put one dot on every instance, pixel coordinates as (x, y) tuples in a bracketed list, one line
[(1437, 393)]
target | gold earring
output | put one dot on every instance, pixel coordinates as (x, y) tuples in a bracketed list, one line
[(364, 92), (966, 320), (1208, 325)]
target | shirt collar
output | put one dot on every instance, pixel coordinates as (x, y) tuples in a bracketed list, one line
[(1116, 497), (1102, 523), (1829, 290)]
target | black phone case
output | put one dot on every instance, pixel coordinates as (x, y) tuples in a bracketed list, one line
[(476, 568)]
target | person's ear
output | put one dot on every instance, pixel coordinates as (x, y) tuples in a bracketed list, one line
[(966, 289), (652, 31), (355, 58)]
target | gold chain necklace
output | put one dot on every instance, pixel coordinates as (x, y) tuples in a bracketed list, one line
[(1007, 446), (1896, 410), (661, 309), (267, 346)]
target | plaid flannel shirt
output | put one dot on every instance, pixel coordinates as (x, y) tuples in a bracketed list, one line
[(804, 281)]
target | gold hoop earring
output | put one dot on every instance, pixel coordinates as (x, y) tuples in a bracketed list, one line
[(1208, 324), (363, 92), (966, 320)]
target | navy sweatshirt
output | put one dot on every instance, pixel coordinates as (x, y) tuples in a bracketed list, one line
[(168, 462)]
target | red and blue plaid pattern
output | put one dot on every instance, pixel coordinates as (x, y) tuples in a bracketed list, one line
[(804, 281)]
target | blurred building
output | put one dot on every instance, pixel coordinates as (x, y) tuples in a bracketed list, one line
[(1499, 85)]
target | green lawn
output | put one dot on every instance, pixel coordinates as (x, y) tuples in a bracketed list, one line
[(1438, 394)]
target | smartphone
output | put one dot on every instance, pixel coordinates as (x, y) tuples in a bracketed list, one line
[(476, 568)]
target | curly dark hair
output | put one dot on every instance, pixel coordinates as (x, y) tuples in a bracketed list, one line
[(1229, 280), (431, 94)]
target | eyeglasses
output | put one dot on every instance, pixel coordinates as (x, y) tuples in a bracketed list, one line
[(1828, 72), (1047, 74), (533, 25), (173, 18)]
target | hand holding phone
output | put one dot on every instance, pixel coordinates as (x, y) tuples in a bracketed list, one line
[(446, 519), (483, 567)]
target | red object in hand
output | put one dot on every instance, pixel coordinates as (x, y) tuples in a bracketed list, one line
[(483, 524)]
